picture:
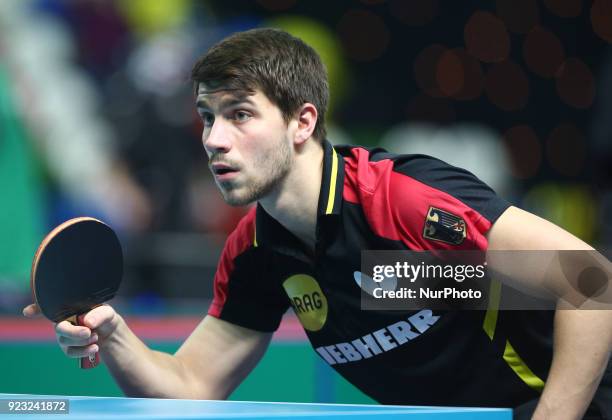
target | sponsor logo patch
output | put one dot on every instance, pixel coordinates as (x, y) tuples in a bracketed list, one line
[(443, 226), (379, 341), (308, 301)]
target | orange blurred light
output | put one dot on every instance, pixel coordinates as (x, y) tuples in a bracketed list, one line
[(442, 72), (543, 52), (450, 75), (564, 8), (459, 75), (601, 19), (425, 65), (518, 15), (566, 149), (507, 86), (473, 78), (486, 37), (525, 151), (364, 35), (575, 83), (414, 12)]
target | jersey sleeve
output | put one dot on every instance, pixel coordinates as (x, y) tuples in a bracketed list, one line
[(438, 206), (244, 293)]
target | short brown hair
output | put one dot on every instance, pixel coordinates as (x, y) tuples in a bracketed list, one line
[(287, 70)]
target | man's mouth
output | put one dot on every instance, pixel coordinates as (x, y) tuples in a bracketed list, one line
[(221, 170)]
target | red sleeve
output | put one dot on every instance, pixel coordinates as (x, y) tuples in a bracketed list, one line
[(412, 217), (422, 201), (247, 291), (237, 242)]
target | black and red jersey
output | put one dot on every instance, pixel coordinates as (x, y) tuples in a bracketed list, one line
[(375, 200)]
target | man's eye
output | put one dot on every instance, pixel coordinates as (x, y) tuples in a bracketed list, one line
[(241, 116), (208, 119)]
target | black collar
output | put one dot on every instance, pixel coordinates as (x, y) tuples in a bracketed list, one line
[(269, 232)]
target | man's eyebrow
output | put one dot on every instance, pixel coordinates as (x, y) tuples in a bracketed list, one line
[(201, 103)]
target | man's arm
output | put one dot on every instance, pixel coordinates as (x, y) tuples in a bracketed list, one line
[(582, 338), (210, 364)]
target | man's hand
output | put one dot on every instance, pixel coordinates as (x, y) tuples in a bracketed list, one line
[(82, 341), (32, 311)]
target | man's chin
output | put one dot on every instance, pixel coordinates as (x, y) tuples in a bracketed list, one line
[(234, 203), (236, 200), (240, 196)]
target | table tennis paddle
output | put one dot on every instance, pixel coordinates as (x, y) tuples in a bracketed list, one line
[(77, 267)]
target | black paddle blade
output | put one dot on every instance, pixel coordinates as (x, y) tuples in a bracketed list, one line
[(78, 266)]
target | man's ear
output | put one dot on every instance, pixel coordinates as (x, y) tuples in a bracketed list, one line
[(306, 122)]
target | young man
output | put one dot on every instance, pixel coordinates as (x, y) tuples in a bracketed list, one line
[(262, 96)]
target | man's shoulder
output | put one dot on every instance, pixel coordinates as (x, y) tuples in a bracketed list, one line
[(372, 169), (387, 184), (414, 165)]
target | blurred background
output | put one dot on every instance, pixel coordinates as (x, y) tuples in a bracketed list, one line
[(97, 118)]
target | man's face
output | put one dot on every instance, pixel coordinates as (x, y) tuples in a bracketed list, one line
[(247, 141)]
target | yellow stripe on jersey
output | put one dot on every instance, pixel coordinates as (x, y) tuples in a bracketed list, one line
[(511, 357), (332, 183), (490, 321), (521, 369)]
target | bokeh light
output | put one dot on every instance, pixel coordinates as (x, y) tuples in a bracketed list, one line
[(441, 72), (507, 86), (518, 15), (570, 206), (564, 8), (326, 44), (601, 19), (566, 149), (364, 35), (450, 75), (486, 37), (414, 12), (425, 65), (150, 17), (543, 52), (575, 83), (471, 70), (277, 5), (525, 151)]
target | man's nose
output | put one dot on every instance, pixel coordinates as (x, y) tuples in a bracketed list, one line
[(217, 139)]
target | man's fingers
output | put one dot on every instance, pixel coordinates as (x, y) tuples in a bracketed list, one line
[(101, 319), (32, 311), (66, 329), (83, 340), (69, 341)]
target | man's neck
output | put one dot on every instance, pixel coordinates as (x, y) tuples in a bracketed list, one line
[(295, 204)]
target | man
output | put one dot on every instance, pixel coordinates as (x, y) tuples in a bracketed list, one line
[(262, 96)]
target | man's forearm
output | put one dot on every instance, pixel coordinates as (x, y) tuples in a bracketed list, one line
[(583, 341), (142, 372)]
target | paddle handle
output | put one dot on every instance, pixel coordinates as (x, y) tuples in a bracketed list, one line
[(87, 362)]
